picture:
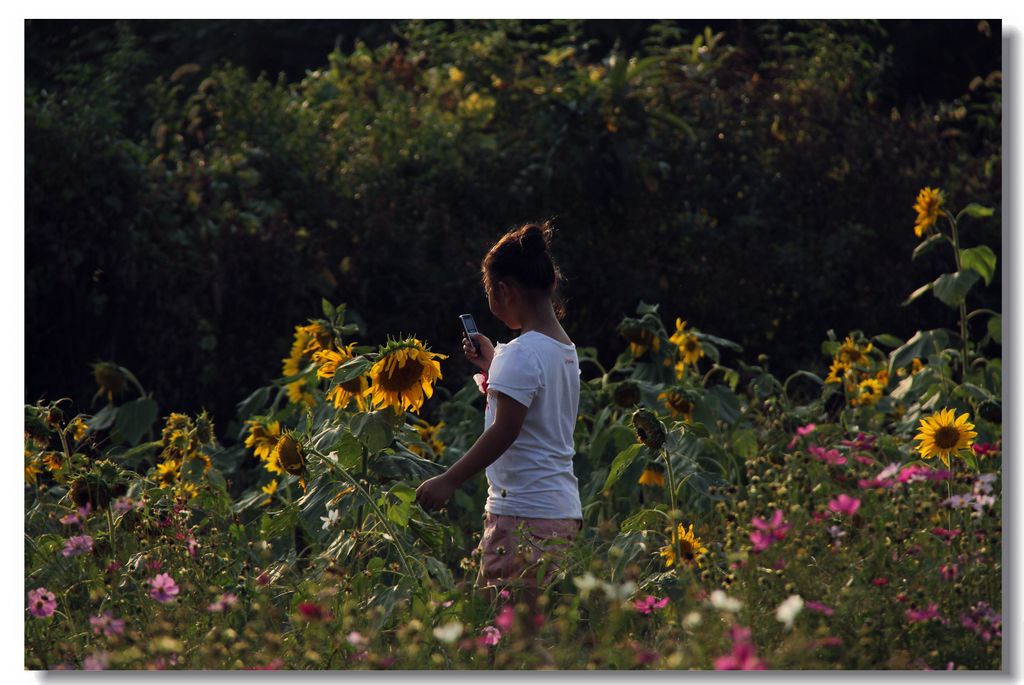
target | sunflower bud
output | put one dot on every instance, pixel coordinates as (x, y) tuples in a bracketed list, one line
[(649, 428), (110, 379), (204, 429)]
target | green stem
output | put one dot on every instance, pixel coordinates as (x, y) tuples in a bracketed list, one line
[(963, 303), (110, 531), (359, 517)]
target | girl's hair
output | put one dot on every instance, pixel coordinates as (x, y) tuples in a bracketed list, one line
[(523, 254)]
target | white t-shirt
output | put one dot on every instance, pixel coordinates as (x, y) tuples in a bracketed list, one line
[(534, 477)]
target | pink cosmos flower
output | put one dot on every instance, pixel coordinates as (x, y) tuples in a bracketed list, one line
[(79, 516), (162, 588), (818, 606), (779, 564), (744, 654), (768, 531), (862, 442), (983, 484), (489, 637), (949, 571), (76, 545), (801, 432), (915, 615), (504, 594), (832, 456), (983, 449), (97, 661), (107, 624), (879, 582), (844, 504), (192, 546), (649, 603), (958, 501), (312, 611), (506, 617), (984, 621), (946, 533), (223, 603), (864, 459), (829, 641), (41, 602), (448, 602)]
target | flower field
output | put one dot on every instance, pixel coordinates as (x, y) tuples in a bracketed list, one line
[(732, 519)]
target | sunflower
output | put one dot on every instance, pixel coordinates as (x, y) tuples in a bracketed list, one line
[(78, 428), (31, 471), (404, 375), (205, 433), (167, 472), (187, 490), (869, 391), (928, 205), (852, 354), (678, 404), (263, 438), (176, 436), (270, 488), (689, 347), (692, 548), (916, 366), (305, 339), (653, 474), (639, 336), (943, 434), (288, 455), (53, 461), (319, 338), (343, 393), (428, 434), (649, 429), (837, 371)]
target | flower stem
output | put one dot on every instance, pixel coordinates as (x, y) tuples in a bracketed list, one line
[(963, 303)]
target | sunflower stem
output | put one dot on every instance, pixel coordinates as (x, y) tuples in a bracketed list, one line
[(362, 474), (963, 303)]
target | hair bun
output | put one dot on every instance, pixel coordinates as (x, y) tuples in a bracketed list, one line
[(533, 240)]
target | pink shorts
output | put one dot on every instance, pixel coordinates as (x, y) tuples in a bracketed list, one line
[(513, 549)]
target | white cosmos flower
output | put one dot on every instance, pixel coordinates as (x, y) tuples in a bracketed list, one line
[(692, 619), (724, 602), (619, 593), (331, 519), (585, 583), (449, 632), (788, 610)]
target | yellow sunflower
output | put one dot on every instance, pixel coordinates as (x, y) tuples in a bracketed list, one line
[(428, 434), (404, 375), (305, 339), (270, 488), (263, 437), (110, 378), (31, 471), (852, 354), (916, 366), (692, 548), (343, 393), (288, 455), (678, 404), (187, 490), (167, 472), (53, 461), (944, 434), (689, 347), (78, 428), (869, 391), (928, 205), (653, 474), (837, 371)]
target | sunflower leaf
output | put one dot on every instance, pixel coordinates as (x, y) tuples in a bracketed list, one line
[(920, 345), (622, 461), (646, 519), (135, 418), (952, 288), (916, 294), (977, 211), (926, 245), (995, 329), (350, 370), (980, 259), (373, 430)]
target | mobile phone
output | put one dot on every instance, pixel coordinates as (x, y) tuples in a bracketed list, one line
[(469, 325)]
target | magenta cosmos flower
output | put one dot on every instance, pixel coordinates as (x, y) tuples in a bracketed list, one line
[(844, 504), (744, 654), (649, 603), (162, 588), (928, 614), (801, 432), (828, 456), (768, 531), (41, 602), (107, 624), (78, 544)]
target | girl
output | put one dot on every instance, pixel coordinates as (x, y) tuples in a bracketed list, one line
[(532, 389)]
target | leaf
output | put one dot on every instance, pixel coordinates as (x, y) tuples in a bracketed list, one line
[(135, 418), (646, 519), (995, 328), (920, 345), (328, 309), (622, 461), (350, 370), (373, 430), (745, 443), (721, 342), (254, 403), (887, 339), (952, 288), (916, 294), (103, 418), (977, 211), (980, 259), (728, 403), (926, 245), (349, 451), (404, 492)]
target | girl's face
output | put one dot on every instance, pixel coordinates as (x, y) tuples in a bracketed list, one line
[(503, 299)]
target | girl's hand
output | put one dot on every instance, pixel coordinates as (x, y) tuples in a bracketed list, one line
[(434, 492), (483, 359)]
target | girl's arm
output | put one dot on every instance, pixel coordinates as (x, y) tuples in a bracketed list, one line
[(492, 443)]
